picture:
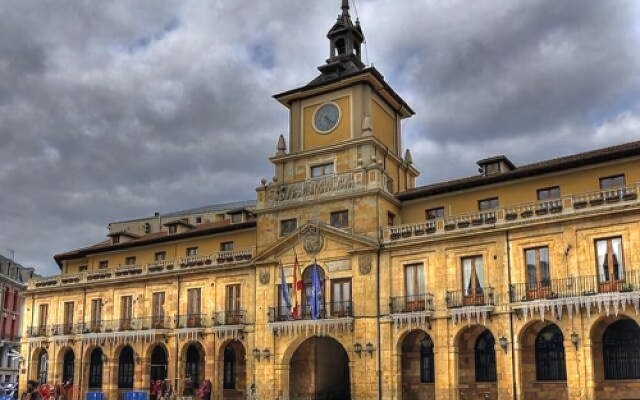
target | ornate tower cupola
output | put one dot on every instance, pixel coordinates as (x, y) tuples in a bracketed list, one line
[(345, 40)]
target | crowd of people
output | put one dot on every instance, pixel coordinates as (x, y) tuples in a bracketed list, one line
[(37, 391), (163, 390)]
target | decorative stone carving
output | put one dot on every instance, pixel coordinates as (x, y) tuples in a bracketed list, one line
[(312, 239), (364, 264)]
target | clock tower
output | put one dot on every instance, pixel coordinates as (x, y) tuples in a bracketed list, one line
[(344, 137)]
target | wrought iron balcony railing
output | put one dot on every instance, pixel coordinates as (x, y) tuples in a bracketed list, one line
[(193, 321), (462, 298), (229, 317), (574, 287), (416, 303), (336, 309)]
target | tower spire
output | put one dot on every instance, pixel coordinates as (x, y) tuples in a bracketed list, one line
[(345, 7)]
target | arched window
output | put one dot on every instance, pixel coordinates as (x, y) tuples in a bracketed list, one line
[(426, 361), (125, 369), (550, 364), (621, 350), (158, 364), (95, 369), (341, 46), (485, 358), (193, 364), (68, 366), (229, 381), (43, 363)]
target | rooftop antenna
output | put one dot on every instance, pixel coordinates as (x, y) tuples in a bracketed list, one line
[(366, 51)]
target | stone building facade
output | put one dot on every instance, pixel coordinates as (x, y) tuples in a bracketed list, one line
[(343, 280)]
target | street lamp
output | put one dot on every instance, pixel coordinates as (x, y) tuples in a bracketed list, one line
[(357, 348)]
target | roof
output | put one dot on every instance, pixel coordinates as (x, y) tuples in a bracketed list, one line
[(200, 210), (319, 83), (153, 238), (539, 168)]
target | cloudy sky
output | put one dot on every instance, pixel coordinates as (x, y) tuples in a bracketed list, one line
[(115, 109)]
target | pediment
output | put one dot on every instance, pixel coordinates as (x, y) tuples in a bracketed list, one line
[(317, 239)]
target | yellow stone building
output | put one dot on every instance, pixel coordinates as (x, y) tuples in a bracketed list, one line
[(521, 282)]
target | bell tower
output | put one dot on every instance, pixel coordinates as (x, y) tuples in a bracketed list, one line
[(345, 40)]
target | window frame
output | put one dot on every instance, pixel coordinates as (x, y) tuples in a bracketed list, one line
[(491, 201), (615, 266), (439, 213), (226, 246), (159, 256), (339, 219), (550, 355), (485, 358), (603, 179), (548, 190), (191, 251), (130, 260), (427, 361), (541, 280), (288, 231), (322, 167)]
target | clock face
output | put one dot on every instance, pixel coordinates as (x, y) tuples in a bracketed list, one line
[(326, 118)]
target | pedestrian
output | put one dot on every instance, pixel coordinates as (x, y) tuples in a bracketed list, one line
[(206, 390), (187, 387), (32, 391), (155, 388)]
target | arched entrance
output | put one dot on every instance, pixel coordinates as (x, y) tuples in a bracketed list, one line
[(43, 366), (194, 363), (616, 358), (417, 367), (319, 369), (234, 371), (125, 368), (95, 369), (68, 366), (543, 368), (158, 364), (477, 373)]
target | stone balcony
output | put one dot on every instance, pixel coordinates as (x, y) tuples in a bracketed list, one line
[(532, 212), (415, 310), (332, 317), (477, 306), (591, 293), (314, 189), (221, 258)]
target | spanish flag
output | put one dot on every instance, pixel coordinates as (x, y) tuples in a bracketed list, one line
[(296, 294)]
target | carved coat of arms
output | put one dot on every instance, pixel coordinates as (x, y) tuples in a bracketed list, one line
[(264, 277), (364, 264), (312, 239)]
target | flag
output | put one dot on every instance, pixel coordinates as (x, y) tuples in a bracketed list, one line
[(315, 291), (285, 293), (297, 289)]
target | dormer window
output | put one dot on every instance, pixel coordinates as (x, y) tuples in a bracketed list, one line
[(495, 165), (341, 47), (173, 228), (178, 226)]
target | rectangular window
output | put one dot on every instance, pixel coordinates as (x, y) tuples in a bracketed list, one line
[(414, 287), (130, 260), (549, 193), (391, 218), (236, 218), (96, 315), (198, 220), (104, 264), (192, 251), (68, 317), (82, 268), (434, 213), (339, 219), (157, 310), (610, 264), (126, 312), (287, 226), (173, 228), (538, 277), (160, 255), (472, 280), (488, 204), (194, 317), (610, 182), (233, 315), (320, 170), (43, 315), (341, 297), (226, 246)]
